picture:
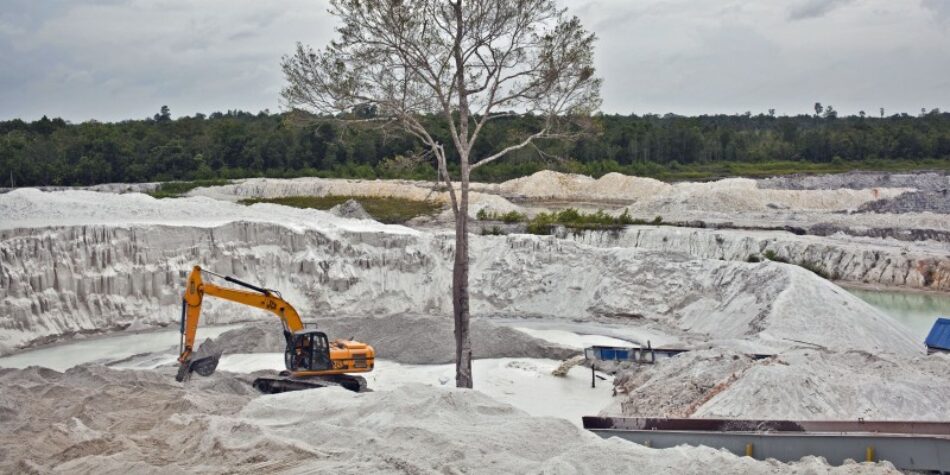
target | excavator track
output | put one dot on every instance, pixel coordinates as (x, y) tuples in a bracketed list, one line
[(356, 384)]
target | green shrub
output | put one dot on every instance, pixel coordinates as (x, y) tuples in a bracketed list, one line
[(772, 256), (493, 231), (509, 217), (753, 258), (388, 210), (174, 189), (625, 218), (513, 217), (816, 268)]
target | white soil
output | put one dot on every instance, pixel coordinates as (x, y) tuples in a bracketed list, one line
[(92, 419), (525, 383)]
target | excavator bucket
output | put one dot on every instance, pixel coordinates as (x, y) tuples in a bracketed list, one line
[(204, 366)]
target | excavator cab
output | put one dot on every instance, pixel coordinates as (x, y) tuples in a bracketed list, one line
[(307, 350)]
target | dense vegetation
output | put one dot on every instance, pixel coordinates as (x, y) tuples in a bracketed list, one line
[(239, 144), (174, 189), (390, 210), (570, 218)]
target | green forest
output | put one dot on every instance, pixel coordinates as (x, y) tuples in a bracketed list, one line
[(240, 144)]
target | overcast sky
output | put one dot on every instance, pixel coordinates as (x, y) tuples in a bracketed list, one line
[(119, 59)]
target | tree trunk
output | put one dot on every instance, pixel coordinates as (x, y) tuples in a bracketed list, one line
[(463, 344)]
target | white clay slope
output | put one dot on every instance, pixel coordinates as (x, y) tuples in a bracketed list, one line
[(32, 208), (801, 384), (922, 265), (98, 274)]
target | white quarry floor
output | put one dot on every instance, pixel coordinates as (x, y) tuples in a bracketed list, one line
[(111, 260), (525, 383)]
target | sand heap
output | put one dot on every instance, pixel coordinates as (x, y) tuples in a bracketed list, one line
[(798, 384), (741, 194), (858, 180), (653, 196), (32, 208), (549, 185), (410, 339), (935, 201), (310, 186), (92, 419), (646, 194)]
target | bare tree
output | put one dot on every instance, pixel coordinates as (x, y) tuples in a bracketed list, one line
[(462, 64)]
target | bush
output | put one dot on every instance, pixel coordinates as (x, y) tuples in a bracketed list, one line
[(573, 219), (174, 189), (509, 217), (493, 231), (513, 217), (772, 256), (815, 268), (383, 209), (753, 258)]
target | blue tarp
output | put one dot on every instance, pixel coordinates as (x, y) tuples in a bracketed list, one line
[(939, 337)]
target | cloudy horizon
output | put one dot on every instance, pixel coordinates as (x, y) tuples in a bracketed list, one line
[(113, 60)]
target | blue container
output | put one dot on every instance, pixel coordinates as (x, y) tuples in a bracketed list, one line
[(609, 353), (939, 337)]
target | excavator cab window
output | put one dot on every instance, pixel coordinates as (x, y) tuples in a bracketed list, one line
[(307, 351)]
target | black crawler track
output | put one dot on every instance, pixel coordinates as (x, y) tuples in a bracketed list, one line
[(286, 384)]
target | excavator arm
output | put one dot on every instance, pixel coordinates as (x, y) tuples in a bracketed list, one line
[(192, 299), (262, 298)]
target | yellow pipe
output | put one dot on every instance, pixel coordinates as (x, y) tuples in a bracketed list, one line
[(869, 454), (748, 450)]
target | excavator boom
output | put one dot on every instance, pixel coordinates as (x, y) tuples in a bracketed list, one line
[(308, 356)]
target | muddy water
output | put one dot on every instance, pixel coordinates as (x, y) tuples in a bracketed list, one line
[(916, 310)]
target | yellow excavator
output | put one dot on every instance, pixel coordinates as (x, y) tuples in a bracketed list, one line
[(312, 361)]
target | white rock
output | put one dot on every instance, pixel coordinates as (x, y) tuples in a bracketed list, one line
[(93, 273)]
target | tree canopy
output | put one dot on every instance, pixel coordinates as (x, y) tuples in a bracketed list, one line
[(237, 144)]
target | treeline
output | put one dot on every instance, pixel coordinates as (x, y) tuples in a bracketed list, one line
[(239, 144)]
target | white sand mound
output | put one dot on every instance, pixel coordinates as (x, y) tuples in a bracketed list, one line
[(798, 384), (309, 186), (741, 194), (29, 207), (653, 196), (560, 186), (418, 429), (646, 194), (92, 419), (413, 339)]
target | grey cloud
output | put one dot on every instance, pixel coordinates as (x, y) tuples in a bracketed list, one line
[(807, 9), (940, 8), (121, 59)]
